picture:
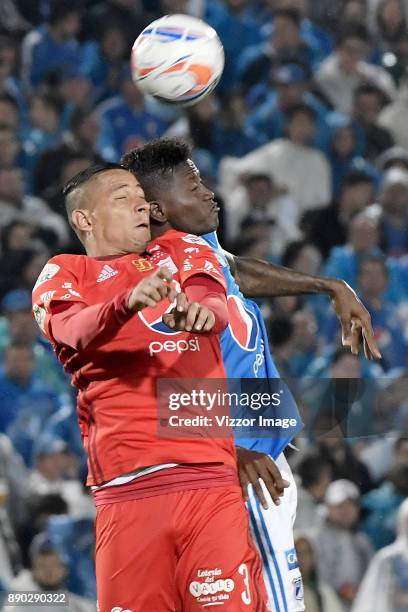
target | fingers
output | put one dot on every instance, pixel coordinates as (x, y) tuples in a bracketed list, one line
[(181, 302), (163, 273), (192, 312), (369, 341), (345, 322), (355, 337)]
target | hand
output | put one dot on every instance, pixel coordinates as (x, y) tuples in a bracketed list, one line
[(189, 317), (355, 320), (251, 467), (152, 289)]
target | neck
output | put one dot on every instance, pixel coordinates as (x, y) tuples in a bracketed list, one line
[(158, 229)]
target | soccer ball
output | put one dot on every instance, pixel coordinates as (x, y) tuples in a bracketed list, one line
[(178, 59)]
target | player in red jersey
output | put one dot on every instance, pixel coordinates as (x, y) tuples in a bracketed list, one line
[(172, 529)]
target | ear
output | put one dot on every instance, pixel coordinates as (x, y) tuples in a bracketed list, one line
[(158, 212), (81, 220)]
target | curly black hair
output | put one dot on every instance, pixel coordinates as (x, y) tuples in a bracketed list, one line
[(154, 163)]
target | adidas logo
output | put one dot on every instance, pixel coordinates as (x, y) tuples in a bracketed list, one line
[(106, 272)]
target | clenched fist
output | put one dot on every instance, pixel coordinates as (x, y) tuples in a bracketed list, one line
[(152, 289)]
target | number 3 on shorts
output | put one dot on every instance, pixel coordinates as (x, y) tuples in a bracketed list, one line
[(245, 595)]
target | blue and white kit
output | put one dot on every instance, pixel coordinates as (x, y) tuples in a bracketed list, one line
[(246, 354)]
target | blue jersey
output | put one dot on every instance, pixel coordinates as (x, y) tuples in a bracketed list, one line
[(245, 350)]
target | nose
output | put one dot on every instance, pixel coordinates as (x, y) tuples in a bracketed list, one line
[(209, 195), (143, 207)]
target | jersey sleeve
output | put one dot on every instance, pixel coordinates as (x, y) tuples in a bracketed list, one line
[(195, 257), (57, 282)]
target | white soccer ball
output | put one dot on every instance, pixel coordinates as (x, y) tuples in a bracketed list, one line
[(178, 59)]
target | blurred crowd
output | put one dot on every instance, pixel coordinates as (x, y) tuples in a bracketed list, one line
[(305, 143)]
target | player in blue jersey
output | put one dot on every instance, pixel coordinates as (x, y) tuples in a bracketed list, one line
[(179, 199)]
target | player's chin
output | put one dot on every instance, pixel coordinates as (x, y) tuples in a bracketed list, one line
[(141, 238)]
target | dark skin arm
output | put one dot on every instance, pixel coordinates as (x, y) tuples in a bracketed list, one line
[(257, 278)]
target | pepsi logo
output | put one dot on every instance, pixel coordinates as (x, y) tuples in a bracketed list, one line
[(152, 317), (243, 324)]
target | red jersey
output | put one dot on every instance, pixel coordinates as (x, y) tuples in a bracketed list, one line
[(115, 355)]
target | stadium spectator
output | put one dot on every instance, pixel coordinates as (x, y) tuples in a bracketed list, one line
[(289, 161), (284, 45), (393, 198), (346, 68), (319, 595), (20, 390), (290, 85), (9, 112), (103, 64), (47, 573), (363, 239), (259, 200), (384, 587), (315, 475), (393, 116), (15, 204), (127, 15), (395, 157), (369, 101), (237, 29), (9, 148), (17, 326), (126, 121), (345, 462), (50, 476), (381, 505), (344, 551), (372, 283), (53, 46), (357, 192), (81, 138), (45, 126)]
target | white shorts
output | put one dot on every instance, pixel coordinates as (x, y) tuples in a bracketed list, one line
[(272, 531)]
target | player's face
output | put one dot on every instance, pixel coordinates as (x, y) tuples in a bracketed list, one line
[(120, 217), (189, 204)]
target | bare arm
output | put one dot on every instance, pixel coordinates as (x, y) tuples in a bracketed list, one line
[(257, 278)]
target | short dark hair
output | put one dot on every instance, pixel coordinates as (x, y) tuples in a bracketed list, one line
[(292, 252), (291, 14), (83, 177), (369, 89), (280, 330), (155, 163), (311, 468), (376, 259), (60, 9), (295, 109), (356, 177), (352, 30), (5, 97), (49, 99)]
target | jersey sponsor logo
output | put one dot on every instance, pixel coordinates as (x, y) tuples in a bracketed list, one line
[(174, 346), (243, 324), (169, 263), (143, 264), (66, 285), (72, 292), (39, 316), (118, 609), (152, 317), (48, 271), (106, 272), (197, 589), (192, 239), (187, 265), (291, 559), (192, 250), (47, 297), (298, 585)]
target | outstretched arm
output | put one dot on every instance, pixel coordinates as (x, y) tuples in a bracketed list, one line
[(257, 278)]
